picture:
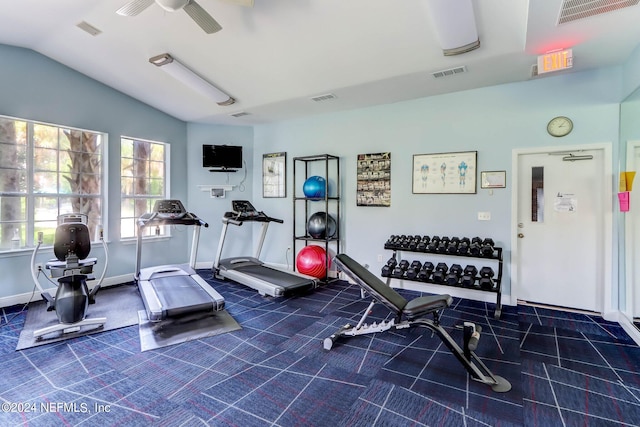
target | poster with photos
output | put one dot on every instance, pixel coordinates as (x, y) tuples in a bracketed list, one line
[(374, 180)]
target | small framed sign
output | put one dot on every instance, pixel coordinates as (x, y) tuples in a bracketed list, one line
[(493, 179)]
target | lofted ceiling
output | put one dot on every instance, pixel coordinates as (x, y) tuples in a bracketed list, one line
[(274, 57)]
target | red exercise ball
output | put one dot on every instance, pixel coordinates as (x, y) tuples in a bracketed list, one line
[(311, 261)]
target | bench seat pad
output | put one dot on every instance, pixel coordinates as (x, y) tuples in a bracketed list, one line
[(421, 306)]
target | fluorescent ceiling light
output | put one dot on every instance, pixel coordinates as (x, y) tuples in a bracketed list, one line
[(455, 25), (178, 71)]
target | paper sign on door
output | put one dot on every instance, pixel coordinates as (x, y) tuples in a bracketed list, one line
[(565, 202)]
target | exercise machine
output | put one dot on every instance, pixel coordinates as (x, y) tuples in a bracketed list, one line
[(250, 271), (174, 290), (72, 268), (411, 314)]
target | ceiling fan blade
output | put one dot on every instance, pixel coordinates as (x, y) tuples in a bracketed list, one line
[(246, 3), (134, 7), (202, 18)]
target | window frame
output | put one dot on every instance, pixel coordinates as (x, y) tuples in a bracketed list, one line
[(31, 194), (166, 231)]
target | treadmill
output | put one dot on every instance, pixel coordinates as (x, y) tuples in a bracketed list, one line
[(174, 290), (250, 271)]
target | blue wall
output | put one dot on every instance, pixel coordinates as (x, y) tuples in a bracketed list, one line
[(37, 88), (210, 209), (491, 121)]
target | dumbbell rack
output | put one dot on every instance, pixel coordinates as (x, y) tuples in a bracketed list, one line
[(496, 256)]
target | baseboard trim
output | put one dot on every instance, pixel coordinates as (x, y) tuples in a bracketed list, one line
[(35, 296)]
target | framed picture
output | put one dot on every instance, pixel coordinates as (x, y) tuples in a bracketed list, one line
[(274, 175), (445, 173), (493, 179), (374, 180)]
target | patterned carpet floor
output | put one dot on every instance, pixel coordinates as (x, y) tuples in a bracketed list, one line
[(565, 368)]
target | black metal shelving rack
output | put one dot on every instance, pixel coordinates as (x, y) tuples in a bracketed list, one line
[(303, 168)]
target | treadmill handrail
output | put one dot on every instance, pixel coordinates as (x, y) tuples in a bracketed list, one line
[(232, 221), (237, 218), (154, 218)]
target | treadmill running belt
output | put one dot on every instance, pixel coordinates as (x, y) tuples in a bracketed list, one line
[(286, 280), (181, 294)]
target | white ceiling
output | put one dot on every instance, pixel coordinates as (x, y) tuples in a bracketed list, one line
[(274, 57)]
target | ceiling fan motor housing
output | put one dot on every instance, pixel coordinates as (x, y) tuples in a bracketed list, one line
[(172, 5)]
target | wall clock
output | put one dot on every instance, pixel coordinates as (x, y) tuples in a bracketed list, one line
[(560, 126)]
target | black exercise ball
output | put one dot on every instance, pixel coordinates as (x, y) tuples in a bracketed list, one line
[(321, 225)]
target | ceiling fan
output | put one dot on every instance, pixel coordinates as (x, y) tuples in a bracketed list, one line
[(193, 9)]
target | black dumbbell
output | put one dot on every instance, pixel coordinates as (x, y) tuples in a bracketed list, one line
[(475, 248), (387, 269), (422, 245), (440, 273), (413, 242), (453, 247), (453, 276), (413, 270), (399, 270), (486, 278), (487, 247), (389, 244), (407, 242), (425, 272), (444, 244), (433, 244), (469, 276), (463, 246)]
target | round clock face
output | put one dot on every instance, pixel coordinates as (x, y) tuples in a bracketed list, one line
[(560, 126)]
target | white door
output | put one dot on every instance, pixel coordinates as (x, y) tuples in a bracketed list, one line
[(561, 206), (632, 229)]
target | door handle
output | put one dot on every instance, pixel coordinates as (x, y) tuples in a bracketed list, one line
[(520, 235)]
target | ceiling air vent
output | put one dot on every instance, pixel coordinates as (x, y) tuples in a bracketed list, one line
[(240, 114), (572, 10), (322, 98), (86, 27), (449, 72)]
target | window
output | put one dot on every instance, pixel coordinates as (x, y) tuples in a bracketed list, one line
[(47, 170), (143, 178)]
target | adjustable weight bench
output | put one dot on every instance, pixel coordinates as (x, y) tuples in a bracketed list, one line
[(410, 314)]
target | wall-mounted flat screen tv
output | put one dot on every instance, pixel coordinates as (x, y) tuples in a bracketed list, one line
[(222, 156)]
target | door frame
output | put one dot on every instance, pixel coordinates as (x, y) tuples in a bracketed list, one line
[(609, 312), (626, 316), (632, 146)]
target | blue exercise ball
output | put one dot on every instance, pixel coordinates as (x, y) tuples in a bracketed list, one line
[(314, 187), (321, 225)]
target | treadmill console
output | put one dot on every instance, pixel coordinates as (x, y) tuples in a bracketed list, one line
[(169, 209), (243, 207), (243, 210)]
